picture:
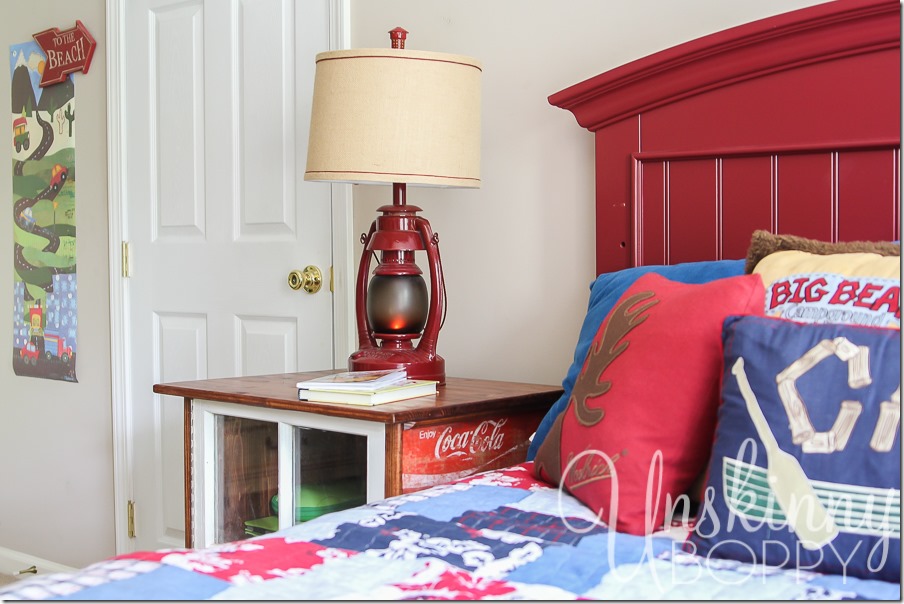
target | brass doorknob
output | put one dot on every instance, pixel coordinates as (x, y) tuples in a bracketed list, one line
[(310, 279)]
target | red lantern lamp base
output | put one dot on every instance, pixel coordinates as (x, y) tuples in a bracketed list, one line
[(419, 365)]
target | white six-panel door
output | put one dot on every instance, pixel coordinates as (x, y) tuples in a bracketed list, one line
[(216, 101)]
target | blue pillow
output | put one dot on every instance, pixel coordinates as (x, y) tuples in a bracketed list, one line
[(806, 466), (604, 293)]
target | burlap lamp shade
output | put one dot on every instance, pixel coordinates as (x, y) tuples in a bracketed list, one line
[(395, 116)]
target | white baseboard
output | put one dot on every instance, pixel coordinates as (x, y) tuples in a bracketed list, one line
[(11, 562)]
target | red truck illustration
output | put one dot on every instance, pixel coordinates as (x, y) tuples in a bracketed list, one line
[(55, 347)]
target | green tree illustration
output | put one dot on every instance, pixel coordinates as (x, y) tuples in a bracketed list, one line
[(51, 107)]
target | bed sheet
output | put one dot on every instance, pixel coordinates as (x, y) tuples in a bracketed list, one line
[(497, 535)]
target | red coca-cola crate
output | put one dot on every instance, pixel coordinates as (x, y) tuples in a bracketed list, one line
[(435, 453)]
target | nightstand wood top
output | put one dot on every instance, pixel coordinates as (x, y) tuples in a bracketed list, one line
[(457, 398)]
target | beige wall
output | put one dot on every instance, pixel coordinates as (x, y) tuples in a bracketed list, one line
[(518, 253), (56, 452)]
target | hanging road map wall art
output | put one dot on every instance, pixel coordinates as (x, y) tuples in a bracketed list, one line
[(45, 305)]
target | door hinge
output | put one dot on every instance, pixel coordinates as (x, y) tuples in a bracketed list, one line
[(126, 269), (131, 521)]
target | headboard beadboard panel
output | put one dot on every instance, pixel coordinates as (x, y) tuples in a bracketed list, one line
[(790, 124)]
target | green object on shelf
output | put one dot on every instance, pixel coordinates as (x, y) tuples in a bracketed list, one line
[(261, 526), (312, 501)]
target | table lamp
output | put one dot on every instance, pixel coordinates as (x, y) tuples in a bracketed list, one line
[(397, 116)]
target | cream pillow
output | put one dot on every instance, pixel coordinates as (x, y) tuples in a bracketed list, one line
[(854, 288)]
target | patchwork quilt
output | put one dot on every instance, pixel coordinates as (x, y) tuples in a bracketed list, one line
[(498, 535)]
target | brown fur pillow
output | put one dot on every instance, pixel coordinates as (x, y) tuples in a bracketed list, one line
[(763, 243)]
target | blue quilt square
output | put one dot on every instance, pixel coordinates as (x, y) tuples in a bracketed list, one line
[(454, 503), (409, 537), (164, 583), (532, 524)]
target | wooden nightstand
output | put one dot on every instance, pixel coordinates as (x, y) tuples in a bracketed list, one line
[(250, 438)]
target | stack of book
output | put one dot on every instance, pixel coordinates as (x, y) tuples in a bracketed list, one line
[(364, 387)]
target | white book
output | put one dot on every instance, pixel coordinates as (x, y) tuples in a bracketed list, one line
[(356, 381), (386, 394)]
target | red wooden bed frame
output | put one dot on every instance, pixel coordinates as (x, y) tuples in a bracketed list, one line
[(790, 124)]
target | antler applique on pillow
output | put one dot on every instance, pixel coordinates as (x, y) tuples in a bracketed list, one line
[(648, 390)]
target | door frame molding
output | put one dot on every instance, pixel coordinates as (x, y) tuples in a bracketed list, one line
[(343, 277)]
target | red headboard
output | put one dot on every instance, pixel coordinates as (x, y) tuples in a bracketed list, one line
[(790, 124)]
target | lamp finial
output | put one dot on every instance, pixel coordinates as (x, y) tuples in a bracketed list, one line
[(397, 37)]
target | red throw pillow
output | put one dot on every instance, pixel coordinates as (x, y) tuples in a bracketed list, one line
[(649, 387)]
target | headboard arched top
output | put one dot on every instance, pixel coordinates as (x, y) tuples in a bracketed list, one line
[(790, 123)]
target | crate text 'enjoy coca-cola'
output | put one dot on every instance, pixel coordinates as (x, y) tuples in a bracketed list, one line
[(440, 453)]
